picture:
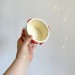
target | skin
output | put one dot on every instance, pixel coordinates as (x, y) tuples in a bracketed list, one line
[(23, 57)]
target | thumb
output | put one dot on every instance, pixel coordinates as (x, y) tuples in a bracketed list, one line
[(27, 40)]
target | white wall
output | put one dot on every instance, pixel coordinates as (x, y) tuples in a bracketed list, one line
[(57, 55)]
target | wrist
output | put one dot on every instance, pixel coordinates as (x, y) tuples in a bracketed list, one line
[(23, 58)]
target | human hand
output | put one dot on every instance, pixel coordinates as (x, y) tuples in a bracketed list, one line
[(23, 57), (25, 47)]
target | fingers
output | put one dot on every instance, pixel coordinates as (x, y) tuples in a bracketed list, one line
[(28, 20), (27, 40), (31, 45), (23, 34)]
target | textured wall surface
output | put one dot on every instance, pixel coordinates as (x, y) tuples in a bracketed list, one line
[(57, 55)]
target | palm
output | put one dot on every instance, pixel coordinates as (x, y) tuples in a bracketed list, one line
[(22, 48)]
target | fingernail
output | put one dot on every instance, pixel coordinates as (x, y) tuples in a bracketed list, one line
[(28, 20), (41, 43), (32, 41)]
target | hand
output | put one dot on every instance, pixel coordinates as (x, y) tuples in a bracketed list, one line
[(25, 47), (24, 56)]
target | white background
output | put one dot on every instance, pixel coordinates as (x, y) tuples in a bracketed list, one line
[(54, 57)]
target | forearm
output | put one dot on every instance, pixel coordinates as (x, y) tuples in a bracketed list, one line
[(23, 58), (18, 67)]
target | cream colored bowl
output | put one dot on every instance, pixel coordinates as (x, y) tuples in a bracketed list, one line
[(38, 29)]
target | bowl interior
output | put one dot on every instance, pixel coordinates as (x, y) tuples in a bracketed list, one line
[(38, 29)]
